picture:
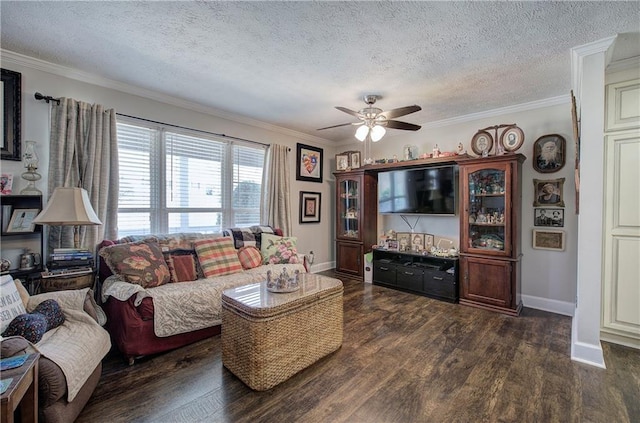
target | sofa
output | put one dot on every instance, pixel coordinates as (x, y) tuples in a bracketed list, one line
[(149, 312), (70, 363)]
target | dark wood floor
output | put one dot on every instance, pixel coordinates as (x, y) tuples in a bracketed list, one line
[(405, 358)]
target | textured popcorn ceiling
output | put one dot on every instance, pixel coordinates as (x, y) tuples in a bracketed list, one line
[(290, 63)]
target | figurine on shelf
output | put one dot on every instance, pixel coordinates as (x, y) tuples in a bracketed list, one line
[(436, 151), (461, 149)]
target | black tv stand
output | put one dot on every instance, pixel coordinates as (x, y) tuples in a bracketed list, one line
[(431, 276)]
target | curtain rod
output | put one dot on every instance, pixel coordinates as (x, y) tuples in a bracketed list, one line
[(191, 129), (48, 98)]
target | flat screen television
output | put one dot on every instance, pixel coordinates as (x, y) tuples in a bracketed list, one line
[(429, 190)]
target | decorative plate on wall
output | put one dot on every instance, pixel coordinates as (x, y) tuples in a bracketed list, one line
[(512, 139), (482, 143)]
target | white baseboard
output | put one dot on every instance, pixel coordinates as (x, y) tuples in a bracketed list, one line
[(547, 304), (586, 353), (614, 338), (321, 267)]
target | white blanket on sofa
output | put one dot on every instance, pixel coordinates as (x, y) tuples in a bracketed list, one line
[(188, 306), (78, 345)]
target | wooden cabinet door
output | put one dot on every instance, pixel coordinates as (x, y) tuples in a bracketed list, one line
[(486, 281), (349, 194), (349, 256), (486, 218)]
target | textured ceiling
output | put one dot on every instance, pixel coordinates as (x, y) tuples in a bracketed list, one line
[(290, 63)]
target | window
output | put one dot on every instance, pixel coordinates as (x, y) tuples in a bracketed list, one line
[(183, 181)]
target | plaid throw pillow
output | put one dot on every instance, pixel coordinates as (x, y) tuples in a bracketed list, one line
[(249, 257), (217, 257)]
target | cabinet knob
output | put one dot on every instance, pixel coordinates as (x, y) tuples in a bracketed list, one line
[(438, 278), (409, 273)]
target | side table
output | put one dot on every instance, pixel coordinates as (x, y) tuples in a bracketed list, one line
[(23, 391)]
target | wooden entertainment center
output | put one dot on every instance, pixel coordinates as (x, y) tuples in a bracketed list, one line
[(487, 274)]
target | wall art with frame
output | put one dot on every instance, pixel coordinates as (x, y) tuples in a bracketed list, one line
[(310, 207), (548, 217), (548, 239), (11, 140), (548, 192), (549, 153), (309, 163)]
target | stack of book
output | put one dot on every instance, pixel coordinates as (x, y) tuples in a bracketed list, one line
[(69, 261)]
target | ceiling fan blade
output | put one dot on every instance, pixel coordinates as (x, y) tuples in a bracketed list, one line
[(396, 124), (337, 126), (401, 111), (349, 111)]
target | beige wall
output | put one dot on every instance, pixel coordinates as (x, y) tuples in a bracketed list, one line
[(47, 79)]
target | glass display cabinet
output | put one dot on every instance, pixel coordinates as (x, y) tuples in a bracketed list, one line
[(489, 232), (356, 217)]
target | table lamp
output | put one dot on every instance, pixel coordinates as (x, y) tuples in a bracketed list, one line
[(69, 207)]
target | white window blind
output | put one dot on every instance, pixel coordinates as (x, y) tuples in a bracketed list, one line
[(180, 182)]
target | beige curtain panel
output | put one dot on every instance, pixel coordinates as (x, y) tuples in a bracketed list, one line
[(84, 153), (276, 194)]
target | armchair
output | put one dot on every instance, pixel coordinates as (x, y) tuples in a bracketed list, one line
[(71, 354)]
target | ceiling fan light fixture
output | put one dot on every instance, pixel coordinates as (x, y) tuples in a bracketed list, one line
[(377, 132), (361, 133)]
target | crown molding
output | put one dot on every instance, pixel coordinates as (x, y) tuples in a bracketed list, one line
[(532, 105), (578, 54), (624, 64), (86, 77)]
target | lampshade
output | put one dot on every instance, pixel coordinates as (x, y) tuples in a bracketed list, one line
[(377, 132), (68, 206), (362, 132)]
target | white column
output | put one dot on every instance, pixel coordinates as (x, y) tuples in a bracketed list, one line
[(589, 62)]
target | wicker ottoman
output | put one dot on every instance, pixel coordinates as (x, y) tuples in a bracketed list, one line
[(268, 337)]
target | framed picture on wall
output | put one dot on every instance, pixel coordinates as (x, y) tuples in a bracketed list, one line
[(548, 192), (308, 163), (549, 153), (548, 217), (11, 140), (548, 239), (310, 207)]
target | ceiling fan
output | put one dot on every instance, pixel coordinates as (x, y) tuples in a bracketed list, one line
[(373, 120)]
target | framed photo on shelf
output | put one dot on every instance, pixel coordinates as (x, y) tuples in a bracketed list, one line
[(482, 143), (354, 159), (548, 192), (342, 161), (512, 139), (548, 239), (549, 153), (308, 163), (392, 244), (404, 241), (310, 207), (22, 220), (417, 242), (548, 217), (428, 242), (6, 183)]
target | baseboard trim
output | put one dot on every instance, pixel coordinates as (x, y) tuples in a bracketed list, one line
[(620, 339), (547, 304), (321, 267), (582, 352)]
